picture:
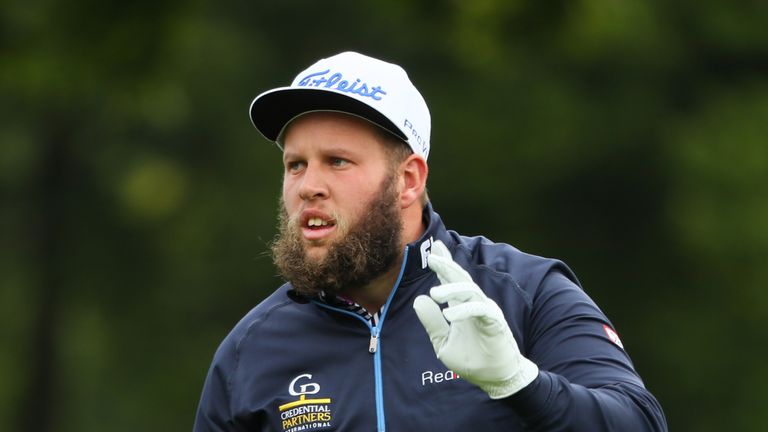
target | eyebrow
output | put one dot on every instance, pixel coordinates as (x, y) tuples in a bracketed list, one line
[(330, 150), (289, 155), (340, 151)]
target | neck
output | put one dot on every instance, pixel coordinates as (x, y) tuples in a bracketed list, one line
[(374, 295)]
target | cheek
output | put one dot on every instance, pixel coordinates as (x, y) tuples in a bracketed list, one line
[(359, 198), (290, 198), (290, 183)]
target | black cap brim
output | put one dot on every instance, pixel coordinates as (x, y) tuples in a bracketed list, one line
[(271, 111)]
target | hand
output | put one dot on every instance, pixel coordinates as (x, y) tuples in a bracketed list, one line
[(475, 341)]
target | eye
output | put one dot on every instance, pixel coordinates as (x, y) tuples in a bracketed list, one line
[(294, 166), (338, 162)]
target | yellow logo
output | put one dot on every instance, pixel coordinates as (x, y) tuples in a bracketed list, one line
[(305, 414)]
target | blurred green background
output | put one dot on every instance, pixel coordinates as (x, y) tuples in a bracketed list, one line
[(629, 139)]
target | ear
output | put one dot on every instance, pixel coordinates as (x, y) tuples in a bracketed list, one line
[(413, 180)]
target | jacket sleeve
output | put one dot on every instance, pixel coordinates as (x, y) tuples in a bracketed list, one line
[(214, 409), (586, 381)]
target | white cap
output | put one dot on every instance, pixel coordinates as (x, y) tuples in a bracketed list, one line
[(351, 83)]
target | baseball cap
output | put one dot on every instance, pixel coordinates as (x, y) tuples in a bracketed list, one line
[(352, 83)]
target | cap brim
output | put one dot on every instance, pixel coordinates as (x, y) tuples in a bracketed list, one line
[(272, 110)]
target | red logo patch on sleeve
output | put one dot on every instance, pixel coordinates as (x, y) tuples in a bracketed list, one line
[(613, 336)]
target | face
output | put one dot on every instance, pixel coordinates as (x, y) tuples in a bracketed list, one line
[(340, 222)]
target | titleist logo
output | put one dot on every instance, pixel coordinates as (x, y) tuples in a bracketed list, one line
[(337, 82)]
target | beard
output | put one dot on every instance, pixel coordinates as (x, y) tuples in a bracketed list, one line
[(363, 250)]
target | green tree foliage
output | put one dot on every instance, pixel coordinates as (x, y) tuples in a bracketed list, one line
[(628, 138)]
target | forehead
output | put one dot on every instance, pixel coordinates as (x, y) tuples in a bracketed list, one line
[(332, 128)]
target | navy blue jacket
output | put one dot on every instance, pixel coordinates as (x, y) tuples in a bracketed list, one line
[(293, 364)]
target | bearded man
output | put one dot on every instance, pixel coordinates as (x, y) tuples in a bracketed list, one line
[(389, 320)]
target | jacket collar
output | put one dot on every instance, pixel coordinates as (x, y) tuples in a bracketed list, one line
[(418, 251)]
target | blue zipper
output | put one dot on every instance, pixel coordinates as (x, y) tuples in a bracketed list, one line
[(374, 345)]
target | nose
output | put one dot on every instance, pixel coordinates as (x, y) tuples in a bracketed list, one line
[(312, 184)]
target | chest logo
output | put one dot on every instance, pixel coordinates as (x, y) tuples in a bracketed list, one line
[(305, 414), (425, 247), (430, 377)]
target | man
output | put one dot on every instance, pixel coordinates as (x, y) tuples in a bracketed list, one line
[(389, 321)]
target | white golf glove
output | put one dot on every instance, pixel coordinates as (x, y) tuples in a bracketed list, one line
[(475, 341)]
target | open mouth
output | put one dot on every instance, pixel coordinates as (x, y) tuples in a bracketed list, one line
[(316, 227), (318, 223)]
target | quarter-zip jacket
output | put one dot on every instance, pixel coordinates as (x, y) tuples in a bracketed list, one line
[(294, 364)]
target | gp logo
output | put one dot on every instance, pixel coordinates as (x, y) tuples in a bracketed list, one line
[(305, 414), (303, 389)]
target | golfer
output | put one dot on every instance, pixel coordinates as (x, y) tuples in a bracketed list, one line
[(390, 321)]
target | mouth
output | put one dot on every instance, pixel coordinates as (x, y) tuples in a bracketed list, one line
[(317, 223), (316, 226)]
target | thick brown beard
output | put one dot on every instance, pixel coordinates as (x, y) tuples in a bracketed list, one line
[(366, 251)]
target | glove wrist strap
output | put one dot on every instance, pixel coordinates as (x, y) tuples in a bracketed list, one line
[(527, 372)]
